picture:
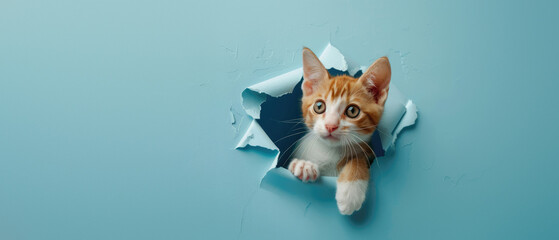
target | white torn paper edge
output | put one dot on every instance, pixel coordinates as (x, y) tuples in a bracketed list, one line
[(256, 136), (399, 111), (253, 96)]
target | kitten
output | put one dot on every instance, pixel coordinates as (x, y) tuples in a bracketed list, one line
[(341, 113)]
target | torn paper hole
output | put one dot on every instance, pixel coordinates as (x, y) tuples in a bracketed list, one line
[(277, 124)]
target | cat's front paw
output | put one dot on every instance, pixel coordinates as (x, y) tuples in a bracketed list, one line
[(304, 170), (350, 196)]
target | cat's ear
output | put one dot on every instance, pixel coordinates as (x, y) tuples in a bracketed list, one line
[(313, 72), (377, 78)]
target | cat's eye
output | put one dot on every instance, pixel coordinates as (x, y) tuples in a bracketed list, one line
[(319, 107), (352, 111)]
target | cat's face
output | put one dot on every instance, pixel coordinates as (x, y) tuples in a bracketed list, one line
[(343, 110)]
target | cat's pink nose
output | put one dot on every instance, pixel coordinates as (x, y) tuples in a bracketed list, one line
[(331, 127)]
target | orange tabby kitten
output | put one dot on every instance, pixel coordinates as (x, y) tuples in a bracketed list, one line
[(341, 113)]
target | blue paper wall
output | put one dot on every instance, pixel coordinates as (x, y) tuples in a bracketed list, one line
[(115, 119)]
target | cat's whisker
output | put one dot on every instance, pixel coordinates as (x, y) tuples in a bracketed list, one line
[(355, 156), (350, 151), (373, 152), (290, 146), (345, 154), (364, 152), (309, 147), (304, 125), (368, 157), (296, 148), (366, 128), (366, 144), (294, 120), (306, 149), (374, 126), (361, 140), (299, 128), (353, 151), (290, 135)]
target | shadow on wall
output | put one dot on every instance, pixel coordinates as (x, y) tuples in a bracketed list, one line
[(282, 119)]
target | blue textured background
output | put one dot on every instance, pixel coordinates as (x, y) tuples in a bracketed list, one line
[(114, 118)]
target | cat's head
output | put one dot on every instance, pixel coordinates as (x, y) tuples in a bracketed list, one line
[(343, 110)]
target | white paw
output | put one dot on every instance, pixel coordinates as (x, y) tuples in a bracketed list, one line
[(350, 196), (304, 170)]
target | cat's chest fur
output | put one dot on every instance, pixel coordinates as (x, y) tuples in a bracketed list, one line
[(317, 151)]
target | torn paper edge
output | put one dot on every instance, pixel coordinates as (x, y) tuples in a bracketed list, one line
[(399, 112), (253, 96), (408, 119)]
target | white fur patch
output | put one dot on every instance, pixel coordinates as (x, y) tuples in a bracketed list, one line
[(319, 152), (305, 170), (350, 196)]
